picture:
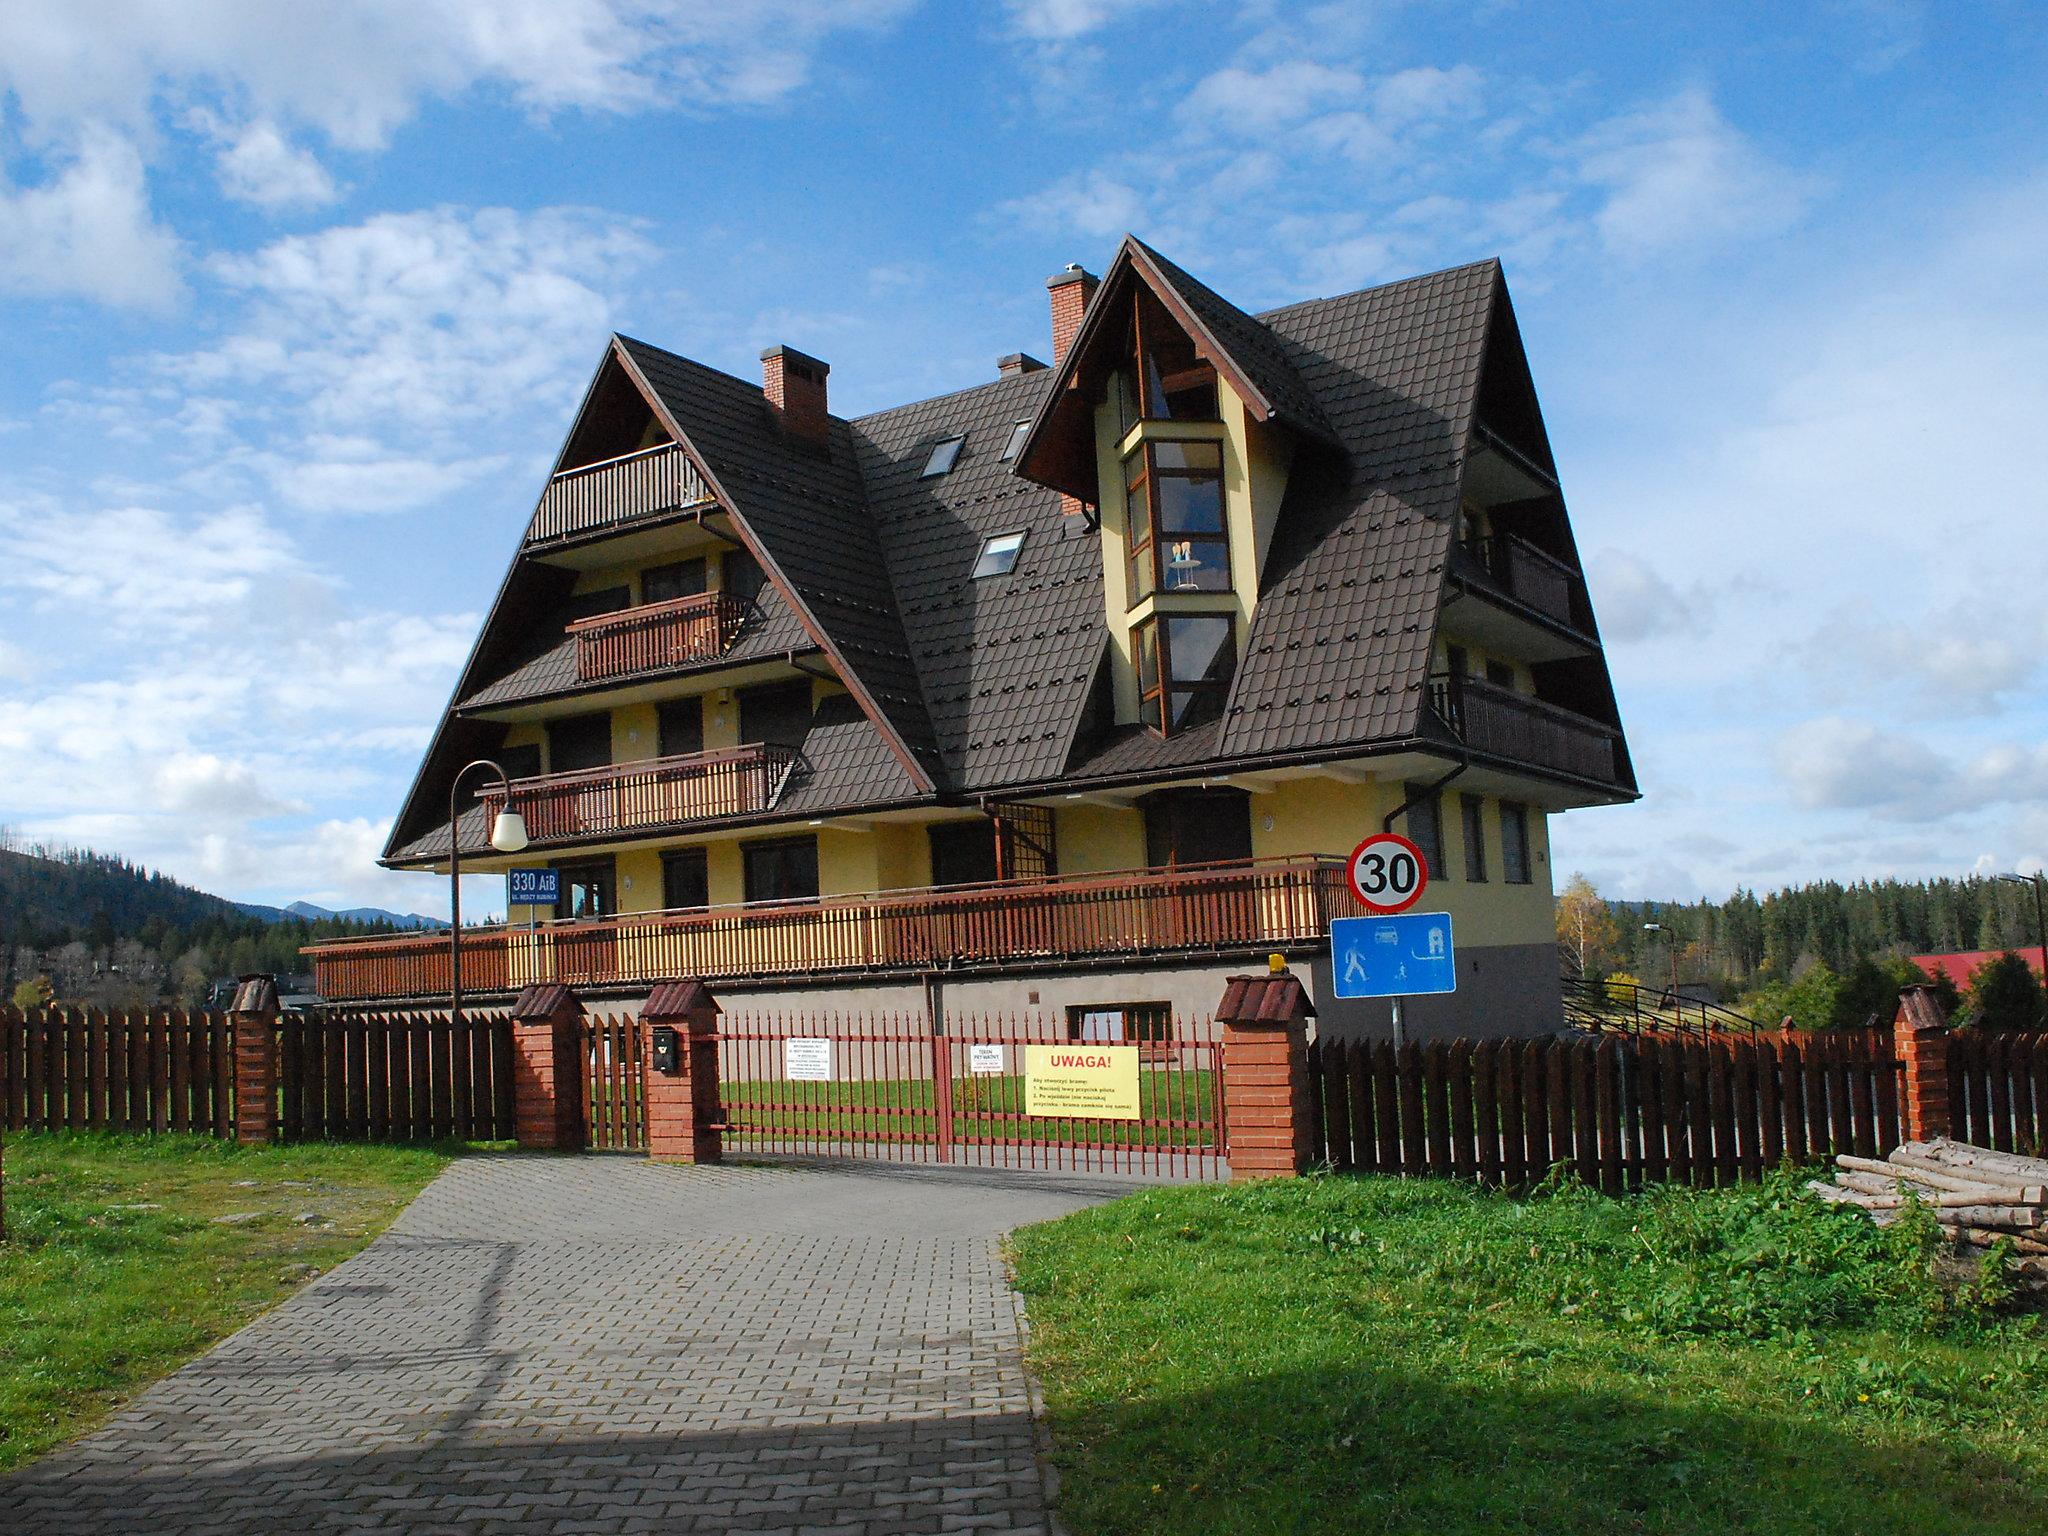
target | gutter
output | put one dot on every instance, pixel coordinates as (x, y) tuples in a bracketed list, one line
[(1428, 793)]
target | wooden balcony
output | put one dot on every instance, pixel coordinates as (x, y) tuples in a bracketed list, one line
[(594, 497), (1253, 905), (1505, 724), (657, 635), (647, 796), (1530, 576)]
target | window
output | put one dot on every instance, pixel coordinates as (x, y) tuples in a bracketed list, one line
[(679, 726), (1119, 1023), (963, 852), (1197, 826), (784, 869), (685, 880), (1514, 843), (1016, 440), (588, 889), (666, 583), (779, 713), (1174, 493), (588, 605), (1475, 836), (1425, 825), (1185, 663), (999, 555), (519, 762), (581, 741), (741, 575), (1178, 385), (944, 452), (1500, 673)]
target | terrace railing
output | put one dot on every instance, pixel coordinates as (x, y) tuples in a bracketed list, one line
[(657, 635), (1533, 577), (1243, 905), (1502, 723), (594, 497), (650, 794)]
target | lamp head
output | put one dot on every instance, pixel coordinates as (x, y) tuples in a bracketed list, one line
[(508, 832)]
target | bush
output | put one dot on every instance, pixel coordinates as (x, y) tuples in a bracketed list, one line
[(2004, 994), (1621, 987)]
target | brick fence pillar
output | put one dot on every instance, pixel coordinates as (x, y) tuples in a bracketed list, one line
[(547, 1069), (1920, 1035), (680, 1027), (254, 1017), (1266, 1109)]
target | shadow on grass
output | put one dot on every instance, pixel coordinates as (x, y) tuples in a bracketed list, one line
[(1371, 1449)]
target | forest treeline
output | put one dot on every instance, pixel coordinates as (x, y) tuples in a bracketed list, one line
[(103, 930), (1827, 953)]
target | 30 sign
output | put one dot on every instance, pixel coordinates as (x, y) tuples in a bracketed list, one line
[(1387, 873)]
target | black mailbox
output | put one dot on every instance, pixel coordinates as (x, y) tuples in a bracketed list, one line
[(668, 1058)]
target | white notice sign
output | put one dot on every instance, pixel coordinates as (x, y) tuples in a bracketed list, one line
[(985, 1060), (807, 1060)]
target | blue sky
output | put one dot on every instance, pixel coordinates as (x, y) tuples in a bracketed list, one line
[(295, 316)]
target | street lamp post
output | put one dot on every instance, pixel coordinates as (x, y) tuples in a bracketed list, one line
[(2036, 880), (508, 835)]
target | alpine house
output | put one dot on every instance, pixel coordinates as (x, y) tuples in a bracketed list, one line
[(1069, 690)]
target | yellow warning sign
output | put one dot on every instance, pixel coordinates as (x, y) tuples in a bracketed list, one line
[(1087, 1082)]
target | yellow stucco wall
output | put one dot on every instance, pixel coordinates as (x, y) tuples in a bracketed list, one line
[(1093, 838)]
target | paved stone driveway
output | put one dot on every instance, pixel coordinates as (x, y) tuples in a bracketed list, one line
[(600, 1344)]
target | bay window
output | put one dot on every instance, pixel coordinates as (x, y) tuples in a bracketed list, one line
[(1185, 663), (1178, 539)]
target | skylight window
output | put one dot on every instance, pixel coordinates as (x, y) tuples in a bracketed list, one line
[(1016, 440), (944, 452), (999, 555)]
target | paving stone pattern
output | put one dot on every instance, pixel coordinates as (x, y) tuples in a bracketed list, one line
[(599, 1344)]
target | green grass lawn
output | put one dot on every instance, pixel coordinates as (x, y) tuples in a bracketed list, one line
[(114, 1271), (1354, 1355)]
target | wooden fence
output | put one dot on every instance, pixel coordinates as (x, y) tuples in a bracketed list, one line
[(1620, 1112), (394, 1077), (614, 1081), (341, 1076), (1998, 1091)]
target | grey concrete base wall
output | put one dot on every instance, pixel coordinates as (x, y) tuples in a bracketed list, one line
[(1504, 990)]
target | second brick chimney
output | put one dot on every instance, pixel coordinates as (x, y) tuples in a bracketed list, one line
[(794, 383), (1071, 290)]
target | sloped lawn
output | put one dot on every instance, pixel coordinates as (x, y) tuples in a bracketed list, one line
[(1366, 1355), (115, 1269)]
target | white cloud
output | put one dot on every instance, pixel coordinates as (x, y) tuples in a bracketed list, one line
[(138, 566), (1067, 21), (203, 785), (87, 232), (258, 166), (1243, 101), (1677, 174), (1636, 603)]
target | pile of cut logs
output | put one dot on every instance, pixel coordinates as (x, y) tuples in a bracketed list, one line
[(1977, 1195)]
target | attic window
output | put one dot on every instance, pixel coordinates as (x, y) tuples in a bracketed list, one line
[(999, 555), (944, 452), (1016, 440)]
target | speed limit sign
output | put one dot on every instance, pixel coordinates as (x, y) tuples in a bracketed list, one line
[(1388, 873)]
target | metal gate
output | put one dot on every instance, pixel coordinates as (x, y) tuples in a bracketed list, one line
[(888, 1088)]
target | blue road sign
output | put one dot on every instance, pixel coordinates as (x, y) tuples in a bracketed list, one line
[(1402, 956), (532, 887)]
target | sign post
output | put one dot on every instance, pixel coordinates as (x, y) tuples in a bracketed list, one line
[(1388, 954)]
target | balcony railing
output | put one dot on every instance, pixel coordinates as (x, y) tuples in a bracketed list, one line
[(1502, 723), (657, 635), (1247, 905), (593, 497), (1531, 576), (648, 795)]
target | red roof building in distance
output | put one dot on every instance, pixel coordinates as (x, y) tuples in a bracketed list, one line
[(1961, 966)]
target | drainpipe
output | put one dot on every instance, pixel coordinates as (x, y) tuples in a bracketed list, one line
[(1429, 793)]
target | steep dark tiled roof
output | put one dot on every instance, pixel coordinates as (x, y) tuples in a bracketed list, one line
[(809, 512), (1004, 662)]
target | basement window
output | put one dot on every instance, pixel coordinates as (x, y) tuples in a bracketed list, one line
[(999, 555), (944, 452), (1016, 440)]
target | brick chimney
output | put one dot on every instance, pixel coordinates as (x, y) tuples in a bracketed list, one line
[(794, 383), (1071, 290), (1018, 362)]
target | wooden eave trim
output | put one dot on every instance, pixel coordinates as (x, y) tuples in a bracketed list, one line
[(848, 678)]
